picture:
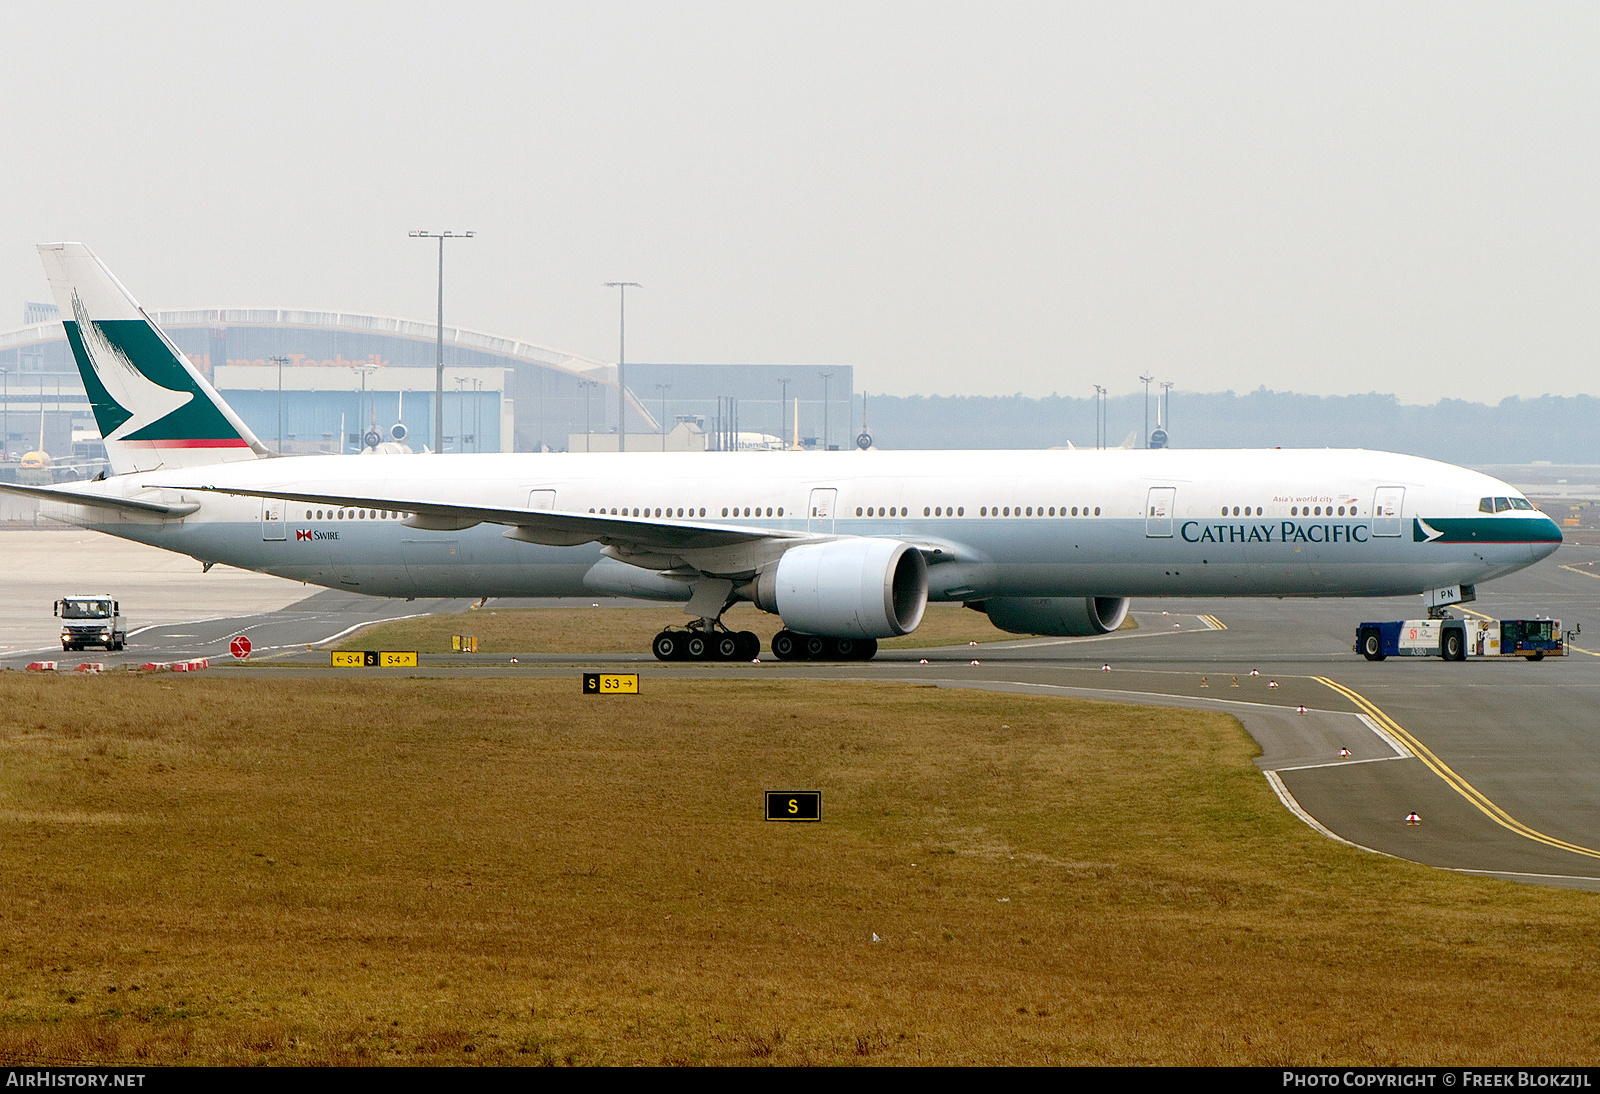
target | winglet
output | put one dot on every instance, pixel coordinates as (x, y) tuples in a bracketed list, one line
[(153, 407)]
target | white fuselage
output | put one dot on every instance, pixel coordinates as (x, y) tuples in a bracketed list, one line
[(1012, 524)]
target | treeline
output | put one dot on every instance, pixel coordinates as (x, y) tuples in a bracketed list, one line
[(1561, 429)]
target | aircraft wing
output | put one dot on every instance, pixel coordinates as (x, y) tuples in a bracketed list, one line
[(552, 527), (102, 501)]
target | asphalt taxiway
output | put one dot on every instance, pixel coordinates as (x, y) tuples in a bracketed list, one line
[(1497, 759)]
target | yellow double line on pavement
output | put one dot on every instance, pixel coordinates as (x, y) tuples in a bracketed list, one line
[(1454, 781)]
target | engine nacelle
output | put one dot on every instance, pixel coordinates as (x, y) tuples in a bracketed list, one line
[(1060, 616), (847, 588)]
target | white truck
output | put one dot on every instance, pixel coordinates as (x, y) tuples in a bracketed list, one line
[(91, 619)]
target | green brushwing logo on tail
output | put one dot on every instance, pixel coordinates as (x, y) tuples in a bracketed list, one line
[(141, 393)]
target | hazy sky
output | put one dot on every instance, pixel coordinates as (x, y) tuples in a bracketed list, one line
[(952, 198)]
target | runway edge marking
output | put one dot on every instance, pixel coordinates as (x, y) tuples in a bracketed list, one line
[(1451, 779), (1288, 801)]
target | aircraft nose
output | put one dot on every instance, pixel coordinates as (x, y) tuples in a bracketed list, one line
[(1546, 548)]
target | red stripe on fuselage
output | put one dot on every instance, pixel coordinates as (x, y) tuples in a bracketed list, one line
[(190, 442)]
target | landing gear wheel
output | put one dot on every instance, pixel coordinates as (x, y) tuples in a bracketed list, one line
[(866, 649), (1372, 646), (1455, 646), (695, 647), (727, 647), (786, 646), (816, 647), (845, 649), (668, 646), (749, 645)]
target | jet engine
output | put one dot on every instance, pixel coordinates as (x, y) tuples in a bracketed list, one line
[(1064, 616), (847, 588)]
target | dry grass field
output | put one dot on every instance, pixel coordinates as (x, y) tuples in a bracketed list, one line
[(236, 869), (629, 630)]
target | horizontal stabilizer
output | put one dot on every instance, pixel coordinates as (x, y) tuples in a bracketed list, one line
[(101, 501)]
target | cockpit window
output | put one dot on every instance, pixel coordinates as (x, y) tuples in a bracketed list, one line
[(1521, 503), (1502, 504), (1485, 505)]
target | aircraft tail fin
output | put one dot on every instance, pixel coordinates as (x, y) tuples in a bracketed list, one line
[(154, 409)]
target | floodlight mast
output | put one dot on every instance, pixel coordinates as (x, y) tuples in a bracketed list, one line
[(438, 381), (280, 362), (622, 288), (1147, 381)]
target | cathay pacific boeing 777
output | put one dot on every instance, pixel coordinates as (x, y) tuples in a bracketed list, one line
[(845, 547)]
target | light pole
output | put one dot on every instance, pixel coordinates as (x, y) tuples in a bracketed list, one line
[(1099, 412), (5, 437), (826, 376), (1166, 406), (588, 431), (438, 380), (1147, 380), (461, 413), (663, 389), (361, 405), (622, 288), (783, 409), (477, 416), (280, 362)]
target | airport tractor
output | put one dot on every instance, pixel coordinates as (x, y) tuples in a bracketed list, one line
[(1459, 639), (91, 619)]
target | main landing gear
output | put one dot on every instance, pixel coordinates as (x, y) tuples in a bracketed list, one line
[(700, 642), (789, 646)]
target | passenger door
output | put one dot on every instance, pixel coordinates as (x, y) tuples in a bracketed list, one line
[(1158, 512), (1386, 506), (272, 518), (820, 516)]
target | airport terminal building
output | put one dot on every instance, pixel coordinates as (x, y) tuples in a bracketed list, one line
[(313, 382)]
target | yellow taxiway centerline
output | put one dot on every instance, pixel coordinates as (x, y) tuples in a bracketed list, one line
[(1454, 781)]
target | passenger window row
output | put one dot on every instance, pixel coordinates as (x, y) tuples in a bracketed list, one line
[(1020, 511), (691, 511), (355, 514)]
